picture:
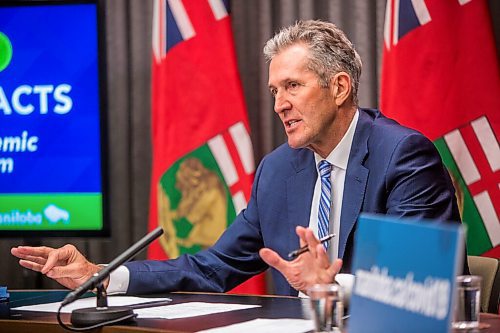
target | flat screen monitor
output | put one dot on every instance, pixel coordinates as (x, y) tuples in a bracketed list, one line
[(52, 119)]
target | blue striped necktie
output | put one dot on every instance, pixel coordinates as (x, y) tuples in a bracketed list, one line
[(325, 169)]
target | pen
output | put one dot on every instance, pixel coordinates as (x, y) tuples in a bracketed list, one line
[(295, 253), (150, 304)]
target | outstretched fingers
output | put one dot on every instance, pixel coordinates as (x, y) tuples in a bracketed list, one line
[(313, 243), (335, 267), (73, 271), (273, 259), (31, 265), (321, 256), (63, 254), (36, 260), (307, 237), (33, 258), (24, 252), (301, 232)]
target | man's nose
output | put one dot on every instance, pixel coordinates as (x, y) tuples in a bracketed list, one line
[(281, 103)]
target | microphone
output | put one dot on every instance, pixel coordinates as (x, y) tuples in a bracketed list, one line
[(103, 313)]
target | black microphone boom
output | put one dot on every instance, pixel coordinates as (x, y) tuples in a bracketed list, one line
[(96, 282)]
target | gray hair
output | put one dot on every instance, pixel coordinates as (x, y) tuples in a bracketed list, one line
[(331, 51)]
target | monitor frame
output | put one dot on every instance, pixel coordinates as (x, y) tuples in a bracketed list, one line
[(105, 231)]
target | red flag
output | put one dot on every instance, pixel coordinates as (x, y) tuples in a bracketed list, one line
[(441, 76), (203, 164)]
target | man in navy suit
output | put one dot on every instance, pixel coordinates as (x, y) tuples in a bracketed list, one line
[(372, 165)]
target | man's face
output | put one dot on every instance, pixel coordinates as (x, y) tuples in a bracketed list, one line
[(306, 109)]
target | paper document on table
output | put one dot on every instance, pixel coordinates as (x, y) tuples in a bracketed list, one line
[(191, 309), (182, 310), (284, 325), (89, 303)]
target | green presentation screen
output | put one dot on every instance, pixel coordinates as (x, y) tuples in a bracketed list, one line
[(52, 119)]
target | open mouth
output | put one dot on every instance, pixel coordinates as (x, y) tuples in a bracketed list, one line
[(292, 123)]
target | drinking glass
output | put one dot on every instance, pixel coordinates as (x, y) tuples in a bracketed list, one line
[(327, 306), (467, 305)]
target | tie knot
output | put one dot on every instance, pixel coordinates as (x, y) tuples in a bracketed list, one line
[(325, 168)]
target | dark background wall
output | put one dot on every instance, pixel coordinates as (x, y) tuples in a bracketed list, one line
[(128, 35)]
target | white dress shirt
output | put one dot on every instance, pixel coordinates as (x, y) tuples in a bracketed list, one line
[(338, 158), (118, 281)]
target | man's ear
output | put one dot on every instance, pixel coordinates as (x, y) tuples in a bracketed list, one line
[(340, 85)]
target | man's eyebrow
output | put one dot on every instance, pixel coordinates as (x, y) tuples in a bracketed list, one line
[(280, 82)]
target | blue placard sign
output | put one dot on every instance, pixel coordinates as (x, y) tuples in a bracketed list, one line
[(405, 274)]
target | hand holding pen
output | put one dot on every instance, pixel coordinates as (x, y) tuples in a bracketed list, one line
[(295, 253), (311, 267)]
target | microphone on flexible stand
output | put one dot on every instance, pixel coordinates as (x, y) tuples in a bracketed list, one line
[(103, 313)]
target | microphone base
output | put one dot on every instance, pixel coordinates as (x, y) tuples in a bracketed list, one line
[(93, 316)]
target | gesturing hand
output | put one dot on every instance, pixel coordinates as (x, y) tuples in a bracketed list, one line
[(66, 265), (309, 268)]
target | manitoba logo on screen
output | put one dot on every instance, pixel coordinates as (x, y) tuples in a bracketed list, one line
[(52, 213)]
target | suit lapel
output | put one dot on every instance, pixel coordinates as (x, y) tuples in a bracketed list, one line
[(355, 180), (299, 193)]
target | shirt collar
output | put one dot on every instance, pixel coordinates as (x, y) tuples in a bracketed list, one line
[(339, 156)]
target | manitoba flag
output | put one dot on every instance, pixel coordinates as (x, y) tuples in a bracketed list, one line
[(441, 76), (203, 163)]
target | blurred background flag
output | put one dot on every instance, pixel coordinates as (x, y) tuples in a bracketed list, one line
[(203, 163), (440, 75)]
